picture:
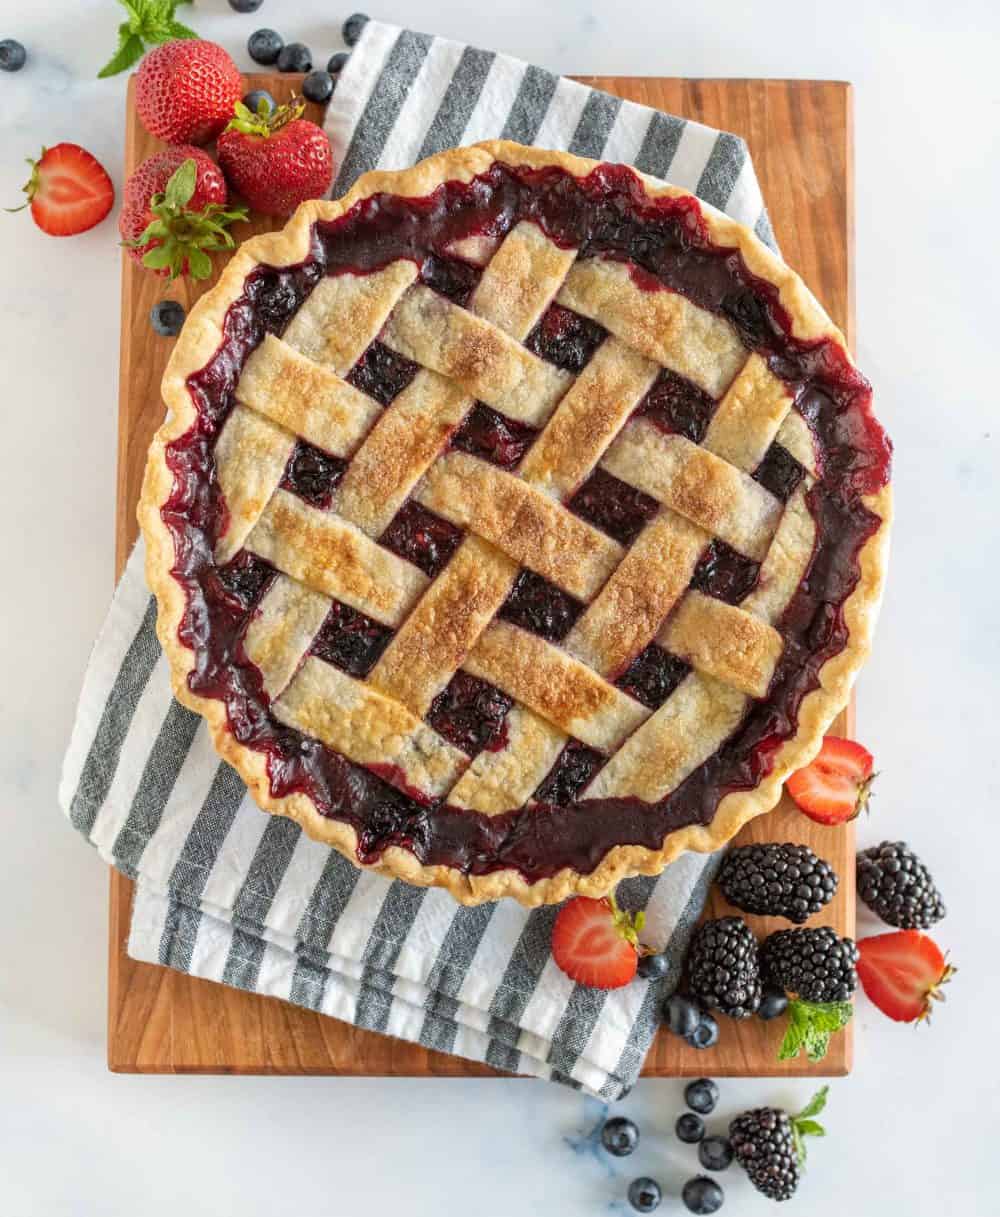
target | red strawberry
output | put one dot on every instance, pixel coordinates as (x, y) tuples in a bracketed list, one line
[(174, 213), (276, 160), (185, 91), (68, 191), (836, 786), (595, 943), (902, 973)]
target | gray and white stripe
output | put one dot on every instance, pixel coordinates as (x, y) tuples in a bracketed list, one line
[(229, 894)]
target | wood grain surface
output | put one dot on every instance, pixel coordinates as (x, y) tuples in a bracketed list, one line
[(159, 1021)]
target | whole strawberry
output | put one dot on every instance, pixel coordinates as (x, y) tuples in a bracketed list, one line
[(174, 213), (276, 159), (185, 91)]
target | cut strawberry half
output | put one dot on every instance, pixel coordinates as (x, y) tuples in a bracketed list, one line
[(902, 973), (69, 190), (595, 943), (836, 786)]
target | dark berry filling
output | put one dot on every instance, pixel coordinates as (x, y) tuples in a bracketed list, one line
[(779, 472), (574, 768), (312, 474), (613, 506), (678, 406), (245, 579), (652, 676), (471, 714), (451, 277), (667, 245), (494, 437), (724, 573), (537, 605), (382, 373), (350, 640), (421, 537), (566, 339)]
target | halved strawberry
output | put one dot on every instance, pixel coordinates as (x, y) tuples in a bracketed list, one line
[(69, 190), (595, 943), (836, 786), (902, 973)]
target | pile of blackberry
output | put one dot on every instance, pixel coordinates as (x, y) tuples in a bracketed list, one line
[(777, 881), (898, 887), (723, 967), (814, 964)]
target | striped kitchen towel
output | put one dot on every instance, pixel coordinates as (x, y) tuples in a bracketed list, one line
[(230, 894)]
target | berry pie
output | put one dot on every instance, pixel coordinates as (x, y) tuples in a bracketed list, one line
[(518, 522)]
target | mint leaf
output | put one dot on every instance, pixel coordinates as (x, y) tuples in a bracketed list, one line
[(130, 51), (149, 22), (809, 1128), (810, 1025), (802, 1125), (816, 1103)]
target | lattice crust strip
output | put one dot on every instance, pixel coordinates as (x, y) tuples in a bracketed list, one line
[(295, 387)]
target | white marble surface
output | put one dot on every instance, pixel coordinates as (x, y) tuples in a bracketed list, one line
[(913, 1131)]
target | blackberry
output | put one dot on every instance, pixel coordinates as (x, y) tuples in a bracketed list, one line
[(777, 881), (897, 887), (769, 1145), (816, 965), (723, 969)]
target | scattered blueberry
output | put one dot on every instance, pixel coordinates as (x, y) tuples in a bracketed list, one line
[(681, 1014), (335, 65), (653, 967), (702, 1195), (689, 1128), (715, 1153), (701, 1095), (12, 55), (644, 1195), (318, 86), (620, 1136), (245, 6), (295, 57), (255, 97), (353, 27), (772, 1004), (705, 1034), (264, 46), (167, 317)]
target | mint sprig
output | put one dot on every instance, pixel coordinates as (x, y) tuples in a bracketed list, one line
[(803, 1125), (185, 238), (810, 1025), (149, 21)]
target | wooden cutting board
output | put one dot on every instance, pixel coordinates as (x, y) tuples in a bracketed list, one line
[(159, 1021)]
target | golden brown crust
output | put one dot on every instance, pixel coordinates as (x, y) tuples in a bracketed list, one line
[(198, 343)]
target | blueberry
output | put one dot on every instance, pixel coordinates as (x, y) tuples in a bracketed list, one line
[(701, 1095), (255, 97), (706, 1034), (353, 27), (689, 1128), (12, 55), (773, 1004), (653, 967), (245, 6), (167, 317), (318, 86), (702, 1195), (295, 57), (681, 1014), (715, 1153), (264, 46), (644, 1195), (336, 63), (620, 1136)]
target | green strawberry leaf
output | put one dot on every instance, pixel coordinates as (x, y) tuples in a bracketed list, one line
[(179, 189), (199, 264), (149, 22), (157, 258)]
